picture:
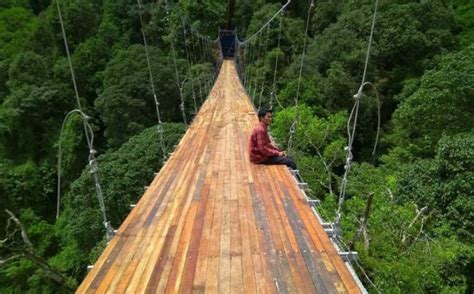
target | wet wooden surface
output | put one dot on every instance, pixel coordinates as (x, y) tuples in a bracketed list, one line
[(213, 222)]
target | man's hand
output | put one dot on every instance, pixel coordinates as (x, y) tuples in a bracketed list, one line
[(283, 153)]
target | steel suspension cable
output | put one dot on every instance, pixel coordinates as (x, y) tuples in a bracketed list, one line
[(353, 120), (178, 82), (257, 57), (89, 136), (196, 59), (347, 248), (251, 60), (58, 190), (247, 43), (244, 60), (295, 121), (239, 58), (273, 93), (152, 84), (188, 58), (264, 76), (267, 23), (200, 58)]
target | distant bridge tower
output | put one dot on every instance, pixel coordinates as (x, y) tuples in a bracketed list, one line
[(228, 43)]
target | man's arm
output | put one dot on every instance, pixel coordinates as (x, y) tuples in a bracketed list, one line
[(266, 147), (274, 147), (281, 151)]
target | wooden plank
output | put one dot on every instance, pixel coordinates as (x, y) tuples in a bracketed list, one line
[(110, 253), (201, 266), (163, 234), (294, 260), (266, 243), (194, 244), (285, 283), (173, 262), (320, 240), (211, 221), (249, 274), (225, 257), (212, 266), (236, 270)]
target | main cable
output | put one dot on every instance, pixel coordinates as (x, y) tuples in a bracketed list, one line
[(89, 136), (295, 121), (273, 93), (152, 83), (353, 120), (266, 24)]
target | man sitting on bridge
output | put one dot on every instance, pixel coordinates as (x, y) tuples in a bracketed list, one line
[(261, 149)]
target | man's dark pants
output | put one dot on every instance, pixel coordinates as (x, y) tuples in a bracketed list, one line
[(281, 160)]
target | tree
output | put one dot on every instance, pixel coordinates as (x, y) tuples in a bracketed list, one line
[(33, 116), (317, 145), (464, 19), (81, 21), (441, 103), (19, 250), (28, 69), (122, 175), (444, 183), (90, 57), (126, 103), (17, 24)]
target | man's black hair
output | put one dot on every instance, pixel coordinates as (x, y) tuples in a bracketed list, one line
[(262, 112)]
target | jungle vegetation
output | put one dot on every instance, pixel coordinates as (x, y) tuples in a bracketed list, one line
[(418, 236)]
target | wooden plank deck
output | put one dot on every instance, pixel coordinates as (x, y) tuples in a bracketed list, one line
[(213, 222)]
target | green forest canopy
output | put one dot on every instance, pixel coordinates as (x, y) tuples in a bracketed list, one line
[(421, 178)]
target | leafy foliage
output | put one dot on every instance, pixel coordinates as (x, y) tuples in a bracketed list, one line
[(68, 244), (421, 63), (122, 175), (440, 103), (126, 104)]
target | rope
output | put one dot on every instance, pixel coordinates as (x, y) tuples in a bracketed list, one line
[(205, 54), (253, 51), (346, 248), (88, 133), (194, 51), (248, 41), (240, 60), (259, 47), (273, 93), (260, 97), (200, 91), (152, 83), (199, 35), (178, 83), (353, 120), (266, 24), (199, 46), (278, 101), (59, 160), (245, 70), (370, 42), (189, 66), (263, 80), (248, 76), (295, 121)]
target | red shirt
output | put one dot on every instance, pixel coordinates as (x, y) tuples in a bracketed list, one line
[(260, 146)]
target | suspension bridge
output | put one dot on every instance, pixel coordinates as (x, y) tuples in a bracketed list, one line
[(211, 221)]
